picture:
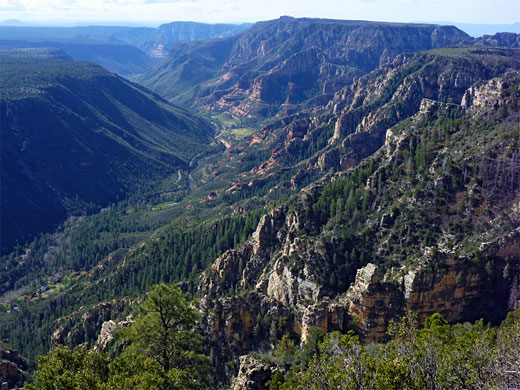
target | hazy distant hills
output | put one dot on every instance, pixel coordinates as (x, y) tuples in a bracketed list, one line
[(145, 38), (122, 59), (12, 22), (74, 134), (282, 63), (124, 50), (170, 33), (477, 30)]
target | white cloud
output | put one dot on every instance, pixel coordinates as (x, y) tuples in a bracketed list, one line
[(470, 11), (167, 1)]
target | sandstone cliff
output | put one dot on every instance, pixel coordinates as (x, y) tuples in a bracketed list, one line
[(12, 368), (354, 124), (279, 64), (430, 223)]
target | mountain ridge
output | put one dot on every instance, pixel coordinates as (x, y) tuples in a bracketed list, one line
[(293, 265), (265, 68), (124, 50), (91, 125)]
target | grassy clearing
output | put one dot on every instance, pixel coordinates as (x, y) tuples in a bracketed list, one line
[(164, 206), (242, 133)]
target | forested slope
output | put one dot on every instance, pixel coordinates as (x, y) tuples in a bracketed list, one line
[(75, 137)]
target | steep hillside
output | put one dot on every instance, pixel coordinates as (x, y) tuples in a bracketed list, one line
[(75, 137), (282, 63), (294, 150), (354, 123), (429, 223)]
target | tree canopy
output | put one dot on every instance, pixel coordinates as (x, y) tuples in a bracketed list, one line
[(162, 350)]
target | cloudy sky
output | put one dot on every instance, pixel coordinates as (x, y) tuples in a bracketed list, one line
[(212, 11)]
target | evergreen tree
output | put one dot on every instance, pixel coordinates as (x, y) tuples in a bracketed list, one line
[(165, 331), (164, 353)]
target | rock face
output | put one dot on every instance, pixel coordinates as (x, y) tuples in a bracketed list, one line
[(288, 288), (456, 289), (282, 63), (11, 370), (242, 267), (253, 374), (410, 84), (403, 250), (89, 322), (236, 325), (488, 95), (373, 303), (108, 332), (503, 39)]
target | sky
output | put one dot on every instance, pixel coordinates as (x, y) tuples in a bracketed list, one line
[(154, 12)]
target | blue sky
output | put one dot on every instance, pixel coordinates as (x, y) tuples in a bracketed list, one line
[(213, 11)]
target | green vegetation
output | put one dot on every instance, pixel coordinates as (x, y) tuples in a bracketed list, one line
[(438, 356), (445, 182), (235, 134), (181, 252), (162, 351), (163, 356), (392, 206), (294, 67), (24, 71), (76, 138)]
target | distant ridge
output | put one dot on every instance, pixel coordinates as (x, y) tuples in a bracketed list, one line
[(122, 59), (284, 63), (124, 50), (477, 30), (12, 22), (144, 38)]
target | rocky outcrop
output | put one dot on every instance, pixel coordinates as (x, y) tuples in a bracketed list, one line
[(85, 324), (371, 303), (368, 108), (326, 315), (253, 374), (488, 95), (288, 288), (239, 324), (457, 289), (12, 368), (504, 39), (108, 332), (241, 268)]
